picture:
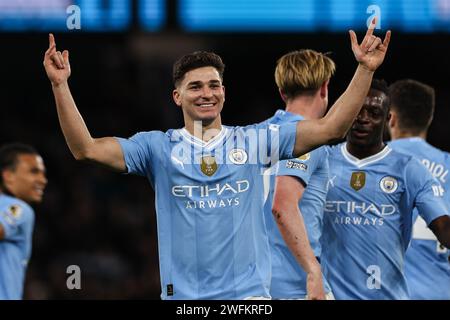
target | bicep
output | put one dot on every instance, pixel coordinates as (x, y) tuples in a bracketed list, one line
[(108, 152)]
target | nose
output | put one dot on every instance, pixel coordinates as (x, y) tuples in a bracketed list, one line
[(43, 179), (207, 92), (363, 116)]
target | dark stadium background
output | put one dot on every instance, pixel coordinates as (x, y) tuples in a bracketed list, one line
[(105, 222)]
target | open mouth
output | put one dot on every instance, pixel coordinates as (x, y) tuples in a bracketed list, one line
[(39, 190), (360, 133), (206, 105)]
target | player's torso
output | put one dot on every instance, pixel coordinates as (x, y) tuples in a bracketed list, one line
[(210, 218), (366, 225), (427, 265), (288, 278), (15, 250)]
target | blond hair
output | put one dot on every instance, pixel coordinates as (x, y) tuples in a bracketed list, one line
[(303, 72)]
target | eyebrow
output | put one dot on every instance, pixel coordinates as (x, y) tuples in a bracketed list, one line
[(194, 83)]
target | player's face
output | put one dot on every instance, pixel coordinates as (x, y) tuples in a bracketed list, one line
[(368, 128), (27, 182), (201, 94)]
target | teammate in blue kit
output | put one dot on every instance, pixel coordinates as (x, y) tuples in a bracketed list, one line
[(207, 177), (22, 182), (368, 214), (427, 265), (302, 78)]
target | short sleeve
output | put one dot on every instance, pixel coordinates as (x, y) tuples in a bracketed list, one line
[(281, 138), (302, 167), (139, 151), (13, 216), (427, 192)]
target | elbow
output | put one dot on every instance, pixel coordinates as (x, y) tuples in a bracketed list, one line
[(444, 240), (82, 155), (337, 134), (278, 212), (441, 229), (79, 156)]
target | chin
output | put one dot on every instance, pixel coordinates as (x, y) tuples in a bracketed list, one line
[(208, 117), (35, 199), (359, 142)]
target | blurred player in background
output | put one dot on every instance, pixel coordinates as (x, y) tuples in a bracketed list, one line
[(209, 196), (299, 189), (427, 265), (22, 182), (368, 214)]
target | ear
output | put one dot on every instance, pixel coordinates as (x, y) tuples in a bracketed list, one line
[(7, 176), (392, 118), (176, 97), (324, 89), (223, 88), (283, 96)]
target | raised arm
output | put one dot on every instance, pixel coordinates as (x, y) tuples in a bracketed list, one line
[(288, 192), (104, 151), (369, 54)]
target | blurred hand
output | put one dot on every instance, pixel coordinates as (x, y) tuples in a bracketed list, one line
[(371, 52), (56, 63), (314, 286)]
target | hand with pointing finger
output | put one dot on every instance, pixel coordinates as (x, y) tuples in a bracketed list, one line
[(371, 52), (56, 63)]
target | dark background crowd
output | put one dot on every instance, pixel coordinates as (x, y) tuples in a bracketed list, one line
[(105, 222)]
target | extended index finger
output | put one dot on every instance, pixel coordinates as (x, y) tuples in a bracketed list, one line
[(387, 38), (371, 27), (51, 40)]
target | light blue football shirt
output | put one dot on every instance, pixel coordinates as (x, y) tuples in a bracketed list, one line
[(368, 221), (427, 265), (209, 202), (17, 219), (288, 278)]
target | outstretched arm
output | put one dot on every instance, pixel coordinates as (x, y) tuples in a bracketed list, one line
[(369, 54), (441, 228), (288, 192), (104, 151)]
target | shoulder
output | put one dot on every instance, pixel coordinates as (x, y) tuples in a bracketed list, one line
[(412, 166), (151, 137), (154, 134), (15, 208), (333, 150), (446, 157)]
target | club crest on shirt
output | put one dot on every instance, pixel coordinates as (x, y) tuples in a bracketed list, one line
[(12, 213), (208, 165), (388, 184), (238, 156), (358, 180), (305, 157), (15, 211)]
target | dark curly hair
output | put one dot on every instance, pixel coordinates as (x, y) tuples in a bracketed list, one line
[(197, 59)]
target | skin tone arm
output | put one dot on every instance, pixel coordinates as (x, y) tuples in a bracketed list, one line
[(2, 232), (369, 54), (104, 151), (441, 229), (288, 192)]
